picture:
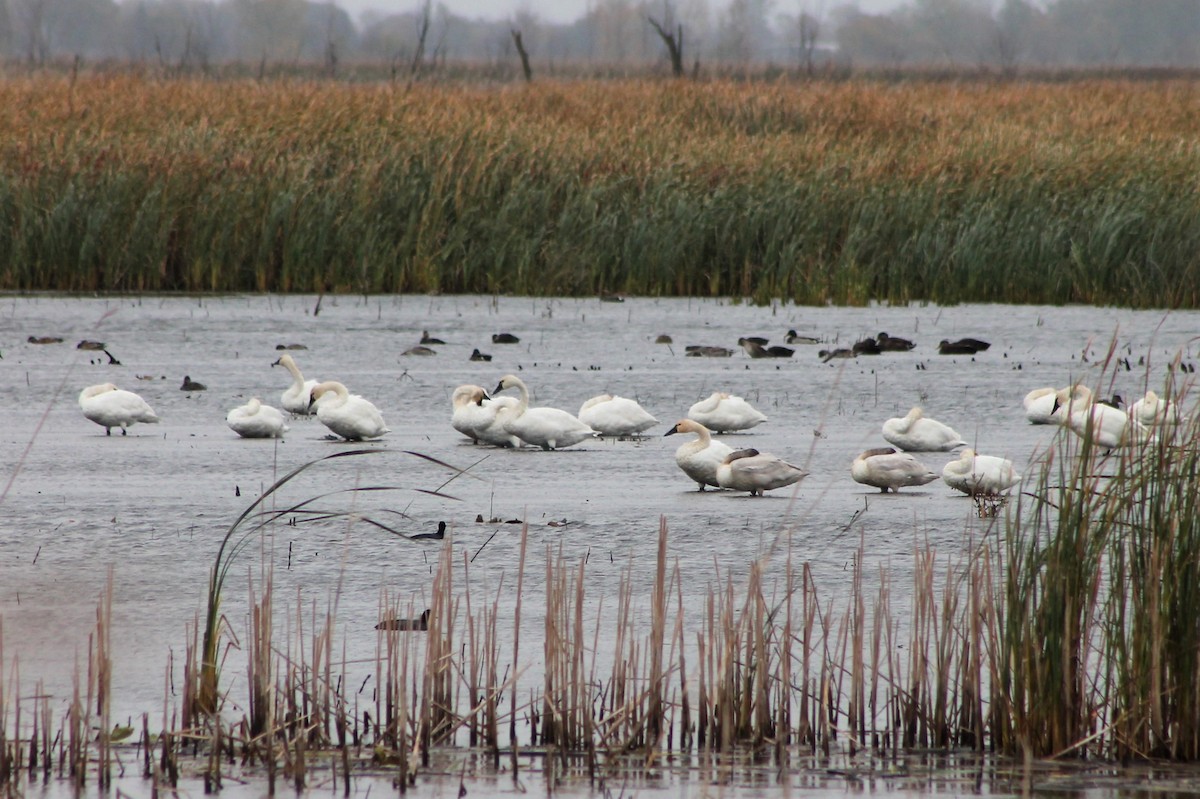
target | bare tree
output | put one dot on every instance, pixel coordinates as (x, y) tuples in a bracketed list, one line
[(808, 29), (516, 36), (422, 34), (674, 42)]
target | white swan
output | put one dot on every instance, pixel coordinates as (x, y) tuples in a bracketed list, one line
[(109, 407), (700, 457), (722, 413), (1155, 411), (1108, 427), (886, 468), (756, 472), (255, 420), (297, 397), (1039, 405), (914, 433), (476, 416), (980, 474), (615, 416), (347, 415), (548, 428)]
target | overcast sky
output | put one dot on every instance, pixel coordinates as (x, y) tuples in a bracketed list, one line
[(569, 10)]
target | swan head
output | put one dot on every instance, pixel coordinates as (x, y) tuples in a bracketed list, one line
[(737, 454), (686, 426), (508, 381), (285, 361), (321, 389)]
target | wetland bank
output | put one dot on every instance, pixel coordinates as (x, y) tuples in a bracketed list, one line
[(834, 629)]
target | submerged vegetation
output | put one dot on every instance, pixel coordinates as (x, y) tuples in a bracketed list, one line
[(1066, 626), (815, 192)]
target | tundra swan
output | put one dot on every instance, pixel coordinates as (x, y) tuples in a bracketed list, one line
[(1155, 411), (476, 416), (756, 472), (347, 415), (1039, 405), (886, 468), (615, 416), (548, 428), (700, 457), (255, 420), (296, 399), (915, 433), (1108, 427), (980, 474), (109, 407), (722, 413)]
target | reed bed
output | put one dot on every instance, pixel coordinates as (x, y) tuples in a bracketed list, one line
[(1064, 627), (814, 192)]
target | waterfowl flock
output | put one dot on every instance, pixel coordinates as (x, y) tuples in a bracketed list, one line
[(505, 416)]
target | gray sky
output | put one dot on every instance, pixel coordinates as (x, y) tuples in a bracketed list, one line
[(569, 10)]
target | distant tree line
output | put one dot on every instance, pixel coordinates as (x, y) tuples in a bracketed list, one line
[(672, 35)]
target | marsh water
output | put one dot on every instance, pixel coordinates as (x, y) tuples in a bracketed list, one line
[(153, 506)]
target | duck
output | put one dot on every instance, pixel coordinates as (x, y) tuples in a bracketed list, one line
[(841, 352), (90, 344), (975, 474), (756, 472), (438, 536), (886, 468), (778, 351), (548, 428), (296, 399), (1154, 411), (706, 351), (792, 337), (475, 415), (893, 343), (347, 415), (505, 338), (192, 385), (44, 339), (867, 346), (663, 338), (723, 413), (963, 346), (428, 339), (616, 416), (419, 624), (755, 348), (1039, 405), (1107, 427), (255, 420), (476, 355), (915, 433), (700, 457), (419, 349), (109, 407)]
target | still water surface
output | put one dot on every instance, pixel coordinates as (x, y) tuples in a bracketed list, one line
[(154, 505)]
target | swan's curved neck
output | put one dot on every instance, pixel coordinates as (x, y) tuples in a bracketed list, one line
[(523, 401), (297, 377)]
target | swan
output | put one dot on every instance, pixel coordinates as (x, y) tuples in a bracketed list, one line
[(296, 399), (700, 457), (886, 468), (476, 416), (756, 472), (1039, 405), (915, 433), (109, 407), (723, 413), (548, 428), (615, 416), (1108, 427), (348, 415), (1154, 411), (980, 474), (255, 420)]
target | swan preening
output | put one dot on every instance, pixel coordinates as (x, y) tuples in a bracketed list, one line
[(1105, 426), (615, 416), (109, 407), (298, 396), (548, 428), (476, 416), (886, 468), (756, 472), (975, 474), (1039, 405), (347, 415), (255, 420), (915, 433), (700, 457), (724, 413), (1155, 411)]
